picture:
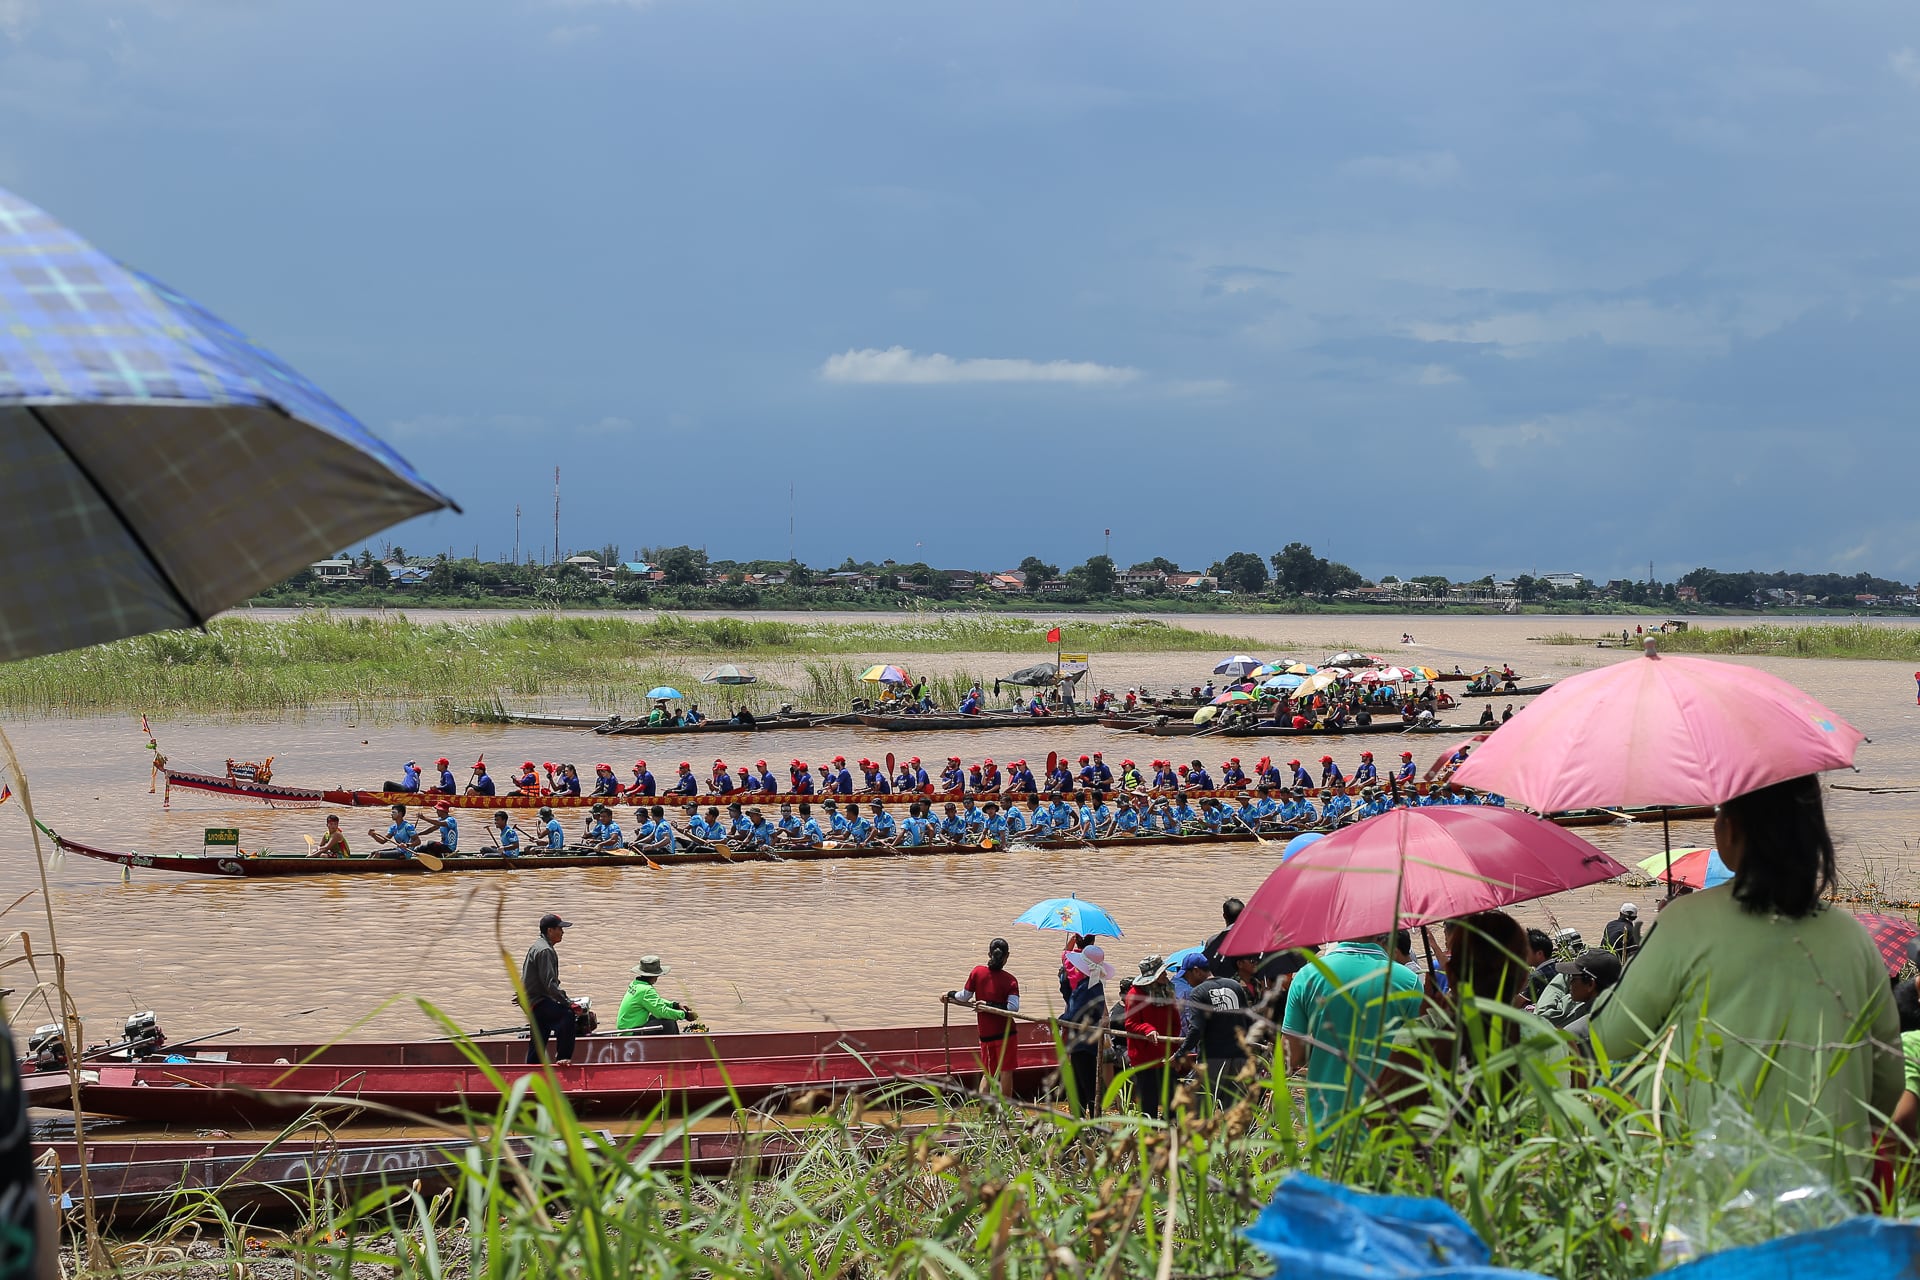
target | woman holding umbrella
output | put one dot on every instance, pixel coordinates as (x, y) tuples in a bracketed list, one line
[(1765, 990)]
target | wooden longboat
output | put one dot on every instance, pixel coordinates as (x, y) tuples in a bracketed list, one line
[(213, 1093), (1188, 729), (935, 721), (1523, 691), (641, 729)]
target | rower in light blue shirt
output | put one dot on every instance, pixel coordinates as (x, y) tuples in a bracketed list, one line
[(859, 832), (913, 829), (1016, 822), (505, 836)]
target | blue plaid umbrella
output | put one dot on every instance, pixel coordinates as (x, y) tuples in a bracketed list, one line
[(157, 467)]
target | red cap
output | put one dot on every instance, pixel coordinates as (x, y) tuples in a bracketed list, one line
[(988, 760), (1406, 755), (1326, 759), (686, 766), (480, 765), (913, 759), (839, 759), (719, 762), (1096, 756), (1293, 762), (759, 764), (1126, 762), (1083, 759), (547, 765), (442, 805), (527, 765), (442, 762), (1366, 755), (600, 767), (1236, 759), (639, 764), (1183, 768), (953, 759)]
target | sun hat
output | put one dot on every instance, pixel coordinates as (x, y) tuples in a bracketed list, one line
[(1152, 969), (651, 967), (1092, 962)]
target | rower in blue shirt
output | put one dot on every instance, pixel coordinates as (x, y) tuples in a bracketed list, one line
[(1213, 815), (953, 828), (811, 835), (1126, 820), (885, 830), (552, 836), (764, 833), (1366, 773), (953, 778), (720, 780), (803, 780), (769, 785), (482, 784), (662, 839), (1270, 774), (1231, 775), (842, 780), (1102, 775), (1406, 771), (741, 825), (409, 778), (402, 836), (859, 832), (504, 835), (1016, 822), (788, 825), (914, 829), (643, 783), (686, 784), (1302, 780), (1181, 815), (975, 818), (446, 785), (837, 824), (445, 828), (993, 827), (642, 828)]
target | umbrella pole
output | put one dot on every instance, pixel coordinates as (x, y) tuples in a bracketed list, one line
[(1666, 832)]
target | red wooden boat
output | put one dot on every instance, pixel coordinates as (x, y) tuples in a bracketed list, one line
[(246, 1093), (139, 1179)]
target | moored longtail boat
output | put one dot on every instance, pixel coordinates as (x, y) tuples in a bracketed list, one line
[(931, 721), (248, 1093)]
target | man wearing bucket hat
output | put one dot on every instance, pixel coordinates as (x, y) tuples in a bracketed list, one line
[(1152, 1021), (1082, 1023), (647, 1011)]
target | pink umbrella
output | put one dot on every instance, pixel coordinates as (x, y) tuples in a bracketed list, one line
[(1413, 866), (1659, 730)]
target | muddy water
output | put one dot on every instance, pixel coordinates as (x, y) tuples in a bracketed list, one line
[(758, 946)]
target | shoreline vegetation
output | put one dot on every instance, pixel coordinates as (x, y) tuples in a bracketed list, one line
[(1862, 640), (433, 669), (1556, 1161)]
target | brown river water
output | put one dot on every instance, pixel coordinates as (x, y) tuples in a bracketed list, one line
[(753, 946)]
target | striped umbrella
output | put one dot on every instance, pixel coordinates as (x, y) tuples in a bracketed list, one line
[(881, 673)]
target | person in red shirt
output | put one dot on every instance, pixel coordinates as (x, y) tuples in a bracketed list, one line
[(1152, 1020), (990, 986)]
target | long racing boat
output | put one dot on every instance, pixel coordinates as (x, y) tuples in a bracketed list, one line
[(985, 720)]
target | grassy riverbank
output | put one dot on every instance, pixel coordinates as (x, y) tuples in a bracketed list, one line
[(239, 665), (1844, 640), (1559, 1171)]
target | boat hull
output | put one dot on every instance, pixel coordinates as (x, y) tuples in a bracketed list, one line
[(988, 720)]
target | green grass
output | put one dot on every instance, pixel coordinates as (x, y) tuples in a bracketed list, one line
[(1838, 640), (242, 666), (1560, 1171)]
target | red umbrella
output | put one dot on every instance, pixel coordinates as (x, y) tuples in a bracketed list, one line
[(1659, 731), (1893, 935), (1413, 866)]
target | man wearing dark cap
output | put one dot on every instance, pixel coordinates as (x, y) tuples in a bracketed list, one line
[(1588, 974), (552, 1011)]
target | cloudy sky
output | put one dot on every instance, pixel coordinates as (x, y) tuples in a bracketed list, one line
[(1466, 288)]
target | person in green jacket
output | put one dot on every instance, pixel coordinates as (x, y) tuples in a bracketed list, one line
[(1760, 990), (645, 1009)]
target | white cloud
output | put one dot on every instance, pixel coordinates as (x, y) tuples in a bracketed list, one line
[(1494, 447), (1906, 65), (1415, 168), (15, 15), (898, 365), (1437, 375)]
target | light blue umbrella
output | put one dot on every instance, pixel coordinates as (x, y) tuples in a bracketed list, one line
[(1285, 680), (159, 467), (1070, 915), (1300, 842), (663, 692), (1178, 960)]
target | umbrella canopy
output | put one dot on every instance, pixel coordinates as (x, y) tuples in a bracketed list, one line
[(1412, 866), (1316, 682), (1282, 681), (1238, 665), (1659, 730), (728, 674), (1232, 695), (1204, 714), (1351, 659), (1390, 675), (160, 467), (1425, 673), (1270, 668), (1071, 915), (663, 692), (1893, 937), (882, 673), (1301, 669), (1039, 675), (1698, 867)]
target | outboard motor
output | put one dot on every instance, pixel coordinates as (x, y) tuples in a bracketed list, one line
[(585, 1020), (143, 1035), (47, 1048)]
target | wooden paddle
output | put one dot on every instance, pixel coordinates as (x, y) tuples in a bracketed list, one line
[(429, 860), (890, 773)]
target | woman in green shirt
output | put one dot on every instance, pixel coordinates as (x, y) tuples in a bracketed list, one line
[(645, 1009), (1760, 990)]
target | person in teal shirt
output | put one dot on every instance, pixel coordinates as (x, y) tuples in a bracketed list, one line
[(859, 832), (885, 830), (1015, 822), (810, 833), (763, 833), (1181, 815), (838, 826), (551, 831), (1342, 1010), (913, 828)]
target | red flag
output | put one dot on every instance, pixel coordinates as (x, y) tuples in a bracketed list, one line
[(1053, 636)]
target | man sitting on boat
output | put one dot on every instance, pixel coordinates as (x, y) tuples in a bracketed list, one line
[(445, 828), (334, 843), (603, 833), (655, 834), (527, 781), (446, 785), (504, 835), (644, 1009), (409, 779), (553, 838), (970, 705), (401, 836), (604, 783), (482, 783)]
